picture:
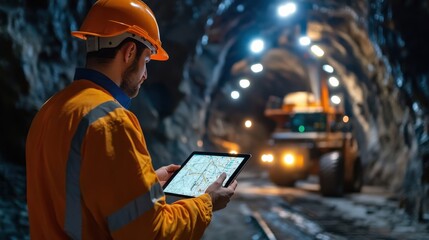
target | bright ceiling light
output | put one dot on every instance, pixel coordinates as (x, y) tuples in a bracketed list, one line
[(334, 82), (235, 94), (248, 123), (244, 83), (304, 41), (335, 99), (317, 51), (257, 67), (257, 45), (328, 68), (286, 9)]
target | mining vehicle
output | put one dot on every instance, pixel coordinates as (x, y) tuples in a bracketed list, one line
[(312, 137)]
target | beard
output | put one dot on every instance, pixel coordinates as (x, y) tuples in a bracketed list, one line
[(130, 85)]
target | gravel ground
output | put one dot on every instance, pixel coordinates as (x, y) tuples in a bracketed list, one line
[(301, 213)]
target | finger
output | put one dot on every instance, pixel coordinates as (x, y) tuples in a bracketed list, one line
[(221, 178), (162, 183), (233, 185), (172, 167)]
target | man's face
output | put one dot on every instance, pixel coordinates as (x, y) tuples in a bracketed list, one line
[(134, 75)]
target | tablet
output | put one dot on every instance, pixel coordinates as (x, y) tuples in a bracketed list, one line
[(201, 169)]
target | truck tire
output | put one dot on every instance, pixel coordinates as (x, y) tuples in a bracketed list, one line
[(280, 179), (331, 174), (356, 184)]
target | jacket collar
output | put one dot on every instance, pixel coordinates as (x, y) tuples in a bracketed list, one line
[(104, 82)]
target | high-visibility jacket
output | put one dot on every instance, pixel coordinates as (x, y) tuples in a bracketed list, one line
[(90, 176)]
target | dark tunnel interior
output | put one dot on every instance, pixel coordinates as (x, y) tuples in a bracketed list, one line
[(376, 50)]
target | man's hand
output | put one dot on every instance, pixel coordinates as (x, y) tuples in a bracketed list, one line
[(164, 173), (220, 195)]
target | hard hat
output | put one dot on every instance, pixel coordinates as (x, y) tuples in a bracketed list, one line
[(111, 21)]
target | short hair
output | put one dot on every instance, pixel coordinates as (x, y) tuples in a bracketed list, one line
[(104, 55)]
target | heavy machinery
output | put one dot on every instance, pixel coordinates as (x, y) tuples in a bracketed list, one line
[(312, 138)]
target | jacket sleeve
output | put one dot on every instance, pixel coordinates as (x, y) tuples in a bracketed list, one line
[(122, 192)]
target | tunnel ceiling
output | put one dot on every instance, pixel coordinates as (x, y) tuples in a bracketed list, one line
[(336, 28), (341, 30)]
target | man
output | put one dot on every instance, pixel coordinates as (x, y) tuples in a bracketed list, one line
[(89, 173)]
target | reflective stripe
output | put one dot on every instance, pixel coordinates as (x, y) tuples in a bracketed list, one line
[(73, 216), (135, 208)]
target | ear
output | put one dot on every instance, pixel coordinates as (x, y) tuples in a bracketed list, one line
[(129, 52)]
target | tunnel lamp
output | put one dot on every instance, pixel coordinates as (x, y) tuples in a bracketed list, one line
[(328, 68), (304, 41), (317, 51), (235, 94), (257, 68), (200, 143), (286, 9), (333, 81), (346, 119), (335, 99), (233, 152), (248, 124), (257, 46), (244, 83)]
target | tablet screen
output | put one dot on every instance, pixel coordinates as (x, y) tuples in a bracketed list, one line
[(201, 169)]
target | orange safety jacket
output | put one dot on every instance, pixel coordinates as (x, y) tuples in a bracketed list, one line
[(90, 176)]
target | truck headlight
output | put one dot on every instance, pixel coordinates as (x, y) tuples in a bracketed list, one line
[(267, 158), (289, 159), (293, 160)]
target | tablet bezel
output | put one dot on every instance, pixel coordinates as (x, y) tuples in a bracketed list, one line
[(228, 180)]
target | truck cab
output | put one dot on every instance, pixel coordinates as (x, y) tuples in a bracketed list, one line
[(312, 138)]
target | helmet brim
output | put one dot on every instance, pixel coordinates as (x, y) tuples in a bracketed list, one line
[(160, 55)]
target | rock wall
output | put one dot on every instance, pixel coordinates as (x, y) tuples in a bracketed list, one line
[(403, 50)]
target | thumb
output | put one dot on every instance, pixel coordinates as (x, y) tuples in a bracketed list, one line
[(172, 167), (221, 178), (216, 184)]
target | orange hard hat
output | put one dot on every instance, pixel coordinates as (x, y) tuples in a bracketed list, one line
[(118, 19)]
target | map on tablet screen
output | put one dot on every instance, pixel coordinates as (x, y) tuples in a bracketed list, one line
[(201, 169)]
